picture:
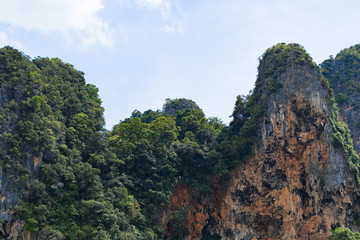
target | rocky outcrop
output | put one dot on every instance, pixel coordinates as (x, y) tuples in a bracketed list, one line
[(343, 74), (15, 171), (297, 184), (11, 227)]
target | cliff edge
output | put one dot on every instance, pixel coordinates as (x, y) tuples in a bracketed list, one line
[(297, 184)]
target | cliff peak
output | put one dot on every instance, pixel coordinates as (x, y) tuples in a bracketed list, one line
[(298, 183), (285, 168)]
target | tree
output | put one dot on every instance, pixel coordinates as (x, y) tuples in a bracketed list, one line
[(344, 234)]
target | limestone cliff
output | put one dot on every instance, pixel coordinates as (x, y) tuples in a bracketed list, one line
[(14, 171), (344, 77), (297, 184), (47, 114), (296, 174)]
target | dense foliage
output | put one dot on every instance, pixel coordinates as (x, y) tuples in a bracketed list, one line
[(343, 73), (78, 181), (51, 119), (157, 149), (344, 234), (280, 57)]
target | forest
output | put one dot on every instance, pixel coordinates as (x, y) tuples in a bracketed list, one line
[(77, 180)]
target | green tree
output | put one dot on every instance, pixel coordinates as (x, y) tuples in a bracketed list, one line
[(344, 234)]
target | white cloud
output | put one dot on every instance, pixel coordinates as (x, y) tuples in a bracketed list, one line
[(76, 20), (163, 5)]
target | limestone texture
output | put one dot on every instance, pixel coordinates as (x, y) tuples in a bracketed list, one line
[(296, 185)]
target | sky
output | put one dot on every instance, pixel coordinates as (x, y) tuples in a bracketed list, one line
[(140, 52)]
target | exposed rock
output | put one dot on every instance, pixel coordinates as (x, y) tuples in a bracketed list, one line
[(344, 77), (296, 186), (11, 227)]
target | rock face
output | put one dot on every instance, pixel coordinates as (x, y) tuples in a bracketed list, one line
[(297, 185), (344, 77), (11, 227)]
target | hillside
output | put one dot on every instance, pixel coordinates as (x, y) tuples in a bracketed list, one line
[(284, 168)]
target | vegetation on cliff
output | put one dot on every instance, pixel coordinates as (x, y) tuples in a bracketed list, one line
[(75, 179), (79, 181), (344, 234), (237, 141), (157, 149), (51, 119), (342, 139), (343, 74)]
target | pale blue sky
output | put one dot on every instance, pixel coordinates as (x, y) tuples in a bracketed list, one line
[(139, 52)]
